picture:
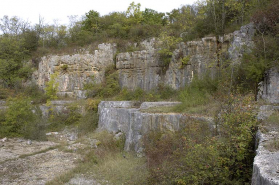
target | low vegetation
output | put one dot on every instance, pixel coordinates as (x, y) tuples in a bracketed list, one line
[(194, 155), (108, 163)]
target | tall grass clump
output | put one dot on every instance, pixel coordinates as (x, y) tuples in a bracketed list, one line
[(198, 93)]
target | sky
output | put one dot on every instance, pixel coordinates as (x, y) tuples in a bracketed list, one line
[(59, 10)]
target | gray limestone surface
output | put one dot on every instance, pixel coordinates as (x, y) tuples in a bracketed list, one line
[(266, 161), (75, 70), (143, 69), (269, 89), (126, 117)]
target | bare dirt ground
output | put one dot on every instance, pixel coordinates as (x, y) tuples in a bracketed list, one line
[(31, 162)]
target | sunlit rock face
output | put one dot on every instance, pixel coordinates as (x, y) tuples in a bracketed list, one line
[(143, 69), (75, 70)]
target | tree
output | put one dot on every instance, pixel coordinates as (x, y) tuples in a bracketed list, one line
[(134, 14), (19, 114), (182, 20), (152, 17), (12, 55), (13, 25), (91, 21)]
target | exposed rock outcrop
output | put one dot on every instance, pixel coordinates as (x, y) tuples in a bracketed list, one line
[(242, 42), (75, 70), (266, 166), (128, 117), (269, 88), (143, 69)]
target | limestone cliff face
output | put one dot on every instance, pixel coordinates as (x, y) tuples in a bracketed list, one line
[(143, 69), (269, 88), (139, 69), (75, 70)]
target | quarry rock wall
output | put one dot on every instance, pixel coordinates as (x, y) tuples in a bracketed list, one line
[(143, 68), (75, 70)]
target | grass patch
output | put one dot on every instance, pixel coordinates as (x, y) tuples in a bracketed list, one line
[(274, 119), (107, 162), (119, 170), (273, 145), (209, 109), (163, 109), (271, 123)]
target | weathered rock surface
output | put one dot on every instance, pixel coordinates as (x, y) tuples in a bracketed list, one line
[(269, 89), (139, 69), (242, 42), (126, 117), (266, 162), (143, 69), (266, 165), (75, 70), (35, 163)]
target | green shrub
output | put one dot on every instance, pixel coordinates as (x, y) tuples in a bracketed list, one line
[(36, 130), (199, 154), (5, 93), (52, 87), (168, 45), (109, 88), (59, 120), (185, 60), (188, 156), (88, 122), (18, 115), (22, 119), (64, 67), (35, 93)]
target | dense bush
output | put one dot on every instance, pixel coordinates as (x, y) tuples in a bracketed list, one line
[(22, 119), (199, 155), (110, 87)]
